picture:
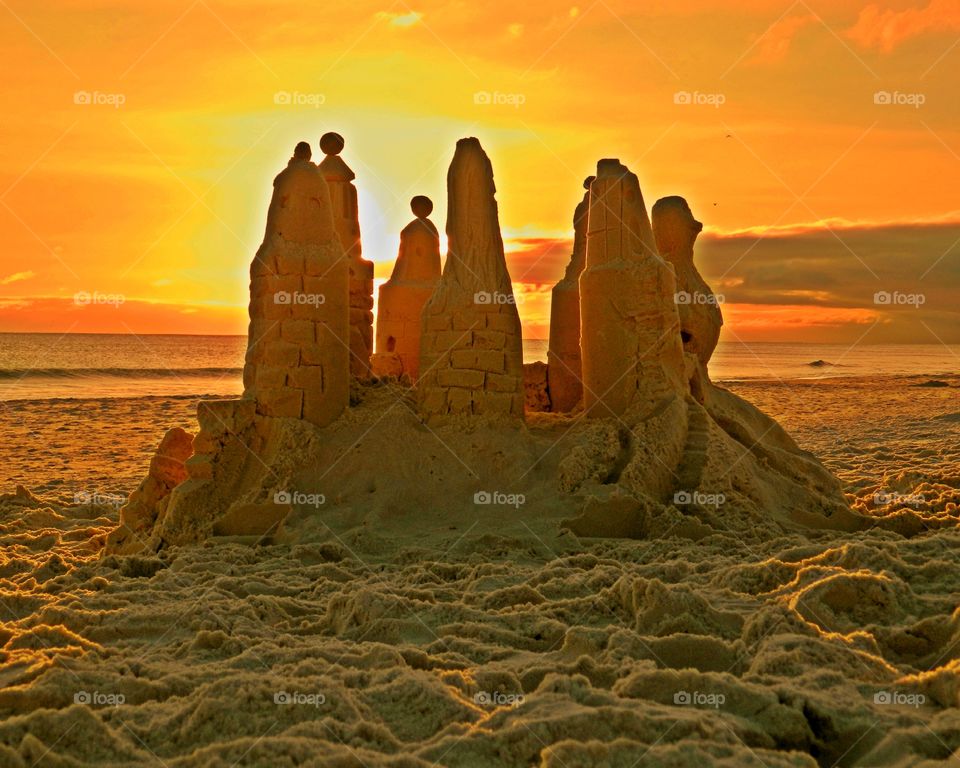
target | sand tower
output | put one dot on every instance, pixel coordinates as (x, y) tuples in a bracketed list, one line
[(471, 360), (343, 197), (563, 355), (402, 297), (675, 231), (297, 363), (629, 326)]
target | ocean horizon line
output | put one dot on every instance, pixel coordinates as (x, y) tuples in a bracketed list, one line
[(244, 335)]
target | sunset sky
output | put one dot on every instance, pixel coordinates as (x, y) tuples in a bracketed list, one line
[(815, 194)]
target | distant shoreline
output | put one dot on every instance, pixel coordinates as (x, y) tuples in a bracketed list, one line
[(526, 339)]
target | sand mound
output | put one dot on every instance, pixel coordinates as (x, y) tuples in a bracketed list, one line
[(731, 469), (491, 641)]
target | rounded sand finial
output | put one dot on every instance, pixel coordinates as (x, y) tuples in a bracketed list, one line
[(331, 143), (422, 206), (588, 181)]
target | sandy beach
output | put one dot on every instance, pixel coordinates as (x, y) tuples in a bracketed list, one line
[(480, 385), (493, 640)]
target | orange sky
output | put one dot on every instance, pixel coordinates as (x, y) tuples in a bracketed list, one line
[(815, 197)]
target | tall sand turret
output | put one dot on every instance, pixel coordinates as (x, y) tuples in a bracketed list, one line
[(629, 326), (471, 359), (564, 375)]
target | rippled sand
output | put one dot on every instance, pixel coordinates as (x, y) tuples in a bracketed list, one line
[(492, 641)]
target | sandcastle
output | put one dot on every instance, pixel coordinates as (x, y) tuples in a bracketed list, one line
[(343, 197), (403, 296), (657, 448)]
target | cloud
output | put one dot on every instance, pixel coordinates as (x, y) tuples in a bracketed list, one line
[(886, 28), (401, 19), (54, 314), (774, 44), (825, 283), (14, 303), (837, 224), (538, 259), (16, 277), (753, 321)]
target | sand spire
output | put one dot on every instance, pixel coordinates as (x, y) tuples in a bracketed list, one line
[(297, 360), (343, 197), (563, 356), (402, 297), (471, 360), (675, 231), (630, 329)]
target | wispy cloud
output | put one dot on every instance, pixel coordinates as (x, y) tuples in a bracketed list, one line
[(887, 28), (810, 279), (401, 19), (774, 44), (16, 277)]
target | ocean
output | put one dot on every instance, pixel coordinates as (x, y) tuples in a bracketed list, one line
[(39, 366)]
